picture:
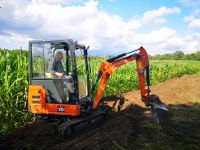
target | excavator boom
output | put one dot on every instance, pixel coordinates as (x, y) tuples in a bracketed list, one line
[(109, 66)]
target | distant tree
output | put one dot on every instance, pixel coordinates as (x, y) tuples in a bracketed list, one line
[(178, 55), (198, 55)]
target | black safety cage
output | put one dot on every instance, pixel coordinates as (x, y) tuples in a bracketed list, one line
[(69, 46)]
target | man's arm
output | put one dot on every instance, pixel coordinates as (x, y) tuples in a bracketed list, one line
[(59, 74)]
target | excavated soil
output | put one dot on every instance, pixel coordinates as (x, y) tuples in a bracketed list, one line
[(131, 128)]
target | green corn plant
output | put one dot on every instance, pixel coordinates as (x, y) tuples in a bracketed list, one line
[(13, 89)]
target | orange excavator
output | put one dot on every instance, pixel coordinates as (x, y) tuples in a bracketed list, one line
[(69, 98)]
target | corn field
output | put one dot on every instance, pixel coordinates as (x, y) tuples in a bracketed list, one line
[(126, 79), (14, 75), (13, 89)]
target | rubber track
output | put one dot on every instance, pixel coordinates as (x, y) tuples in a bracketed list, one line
[(76, 121)]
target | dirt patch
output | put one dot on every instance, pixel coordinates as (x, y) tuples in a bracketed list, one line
[(131, 128), (36, 135), (184, 90), (175, 91)]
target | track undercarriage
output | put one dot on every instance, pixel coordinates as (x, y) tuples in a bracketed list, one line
[(69, 126), (73, 125)]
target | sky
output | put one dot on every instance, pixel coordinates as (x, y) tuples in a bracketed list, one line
[(107, 26)]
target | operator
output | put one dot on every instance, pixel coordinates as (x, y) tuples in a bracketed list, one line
[(58, 70), (57, 66)]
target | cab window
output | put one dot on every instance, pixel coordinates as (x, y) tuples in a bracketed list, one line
[(37, 60)]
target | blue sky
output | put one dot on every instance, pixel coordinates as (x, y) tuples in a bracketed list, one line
[(130, 8), (108, 26)]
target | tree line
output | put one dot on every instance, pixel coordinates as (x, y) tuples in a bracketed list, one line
[(178, 55)]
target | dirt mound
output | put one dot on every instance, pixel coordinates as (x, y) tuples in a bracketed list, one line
[(131, 128)]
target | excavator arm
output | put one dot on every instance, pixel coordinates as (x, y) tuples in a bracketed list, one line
[(108, 66)]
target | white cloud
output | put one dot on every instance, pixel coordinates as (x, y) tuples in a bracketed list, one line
[(164, 40), (193, 20), (193, 23), (56, 1), (196, 12), (193, 3), (39, 19), (156, 37), (156, 16), (14, 41), (192, 42)]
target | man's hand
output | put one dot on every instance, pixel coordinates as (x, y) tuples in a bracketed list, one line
[(59, 74)]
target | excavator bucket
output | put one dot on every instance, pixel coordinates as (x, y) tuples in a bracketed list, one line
[(160, 111)]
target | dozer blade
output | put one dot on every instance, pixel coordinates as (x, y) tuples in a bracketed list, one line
[(73, 126), (160, 113)]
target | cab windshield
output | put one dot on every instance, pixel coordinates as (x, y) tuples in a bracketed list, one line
[(44, 60)]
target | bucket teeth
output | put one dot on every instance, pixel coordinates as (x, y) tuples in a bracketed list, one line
[(157, 104)]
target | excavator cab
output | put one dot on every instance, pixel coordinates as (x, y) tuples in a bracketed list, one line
[(50, 94)]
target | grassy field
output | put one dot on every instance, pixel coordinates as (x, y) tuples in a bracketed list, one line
[(14, 82)]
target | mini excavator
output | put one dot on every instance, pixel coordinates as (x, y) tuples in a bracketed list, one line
[(69, 99)]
